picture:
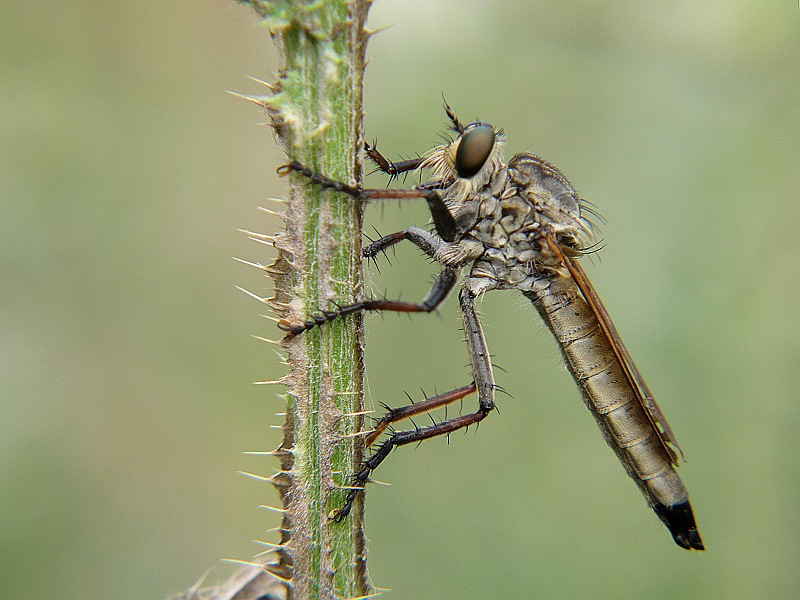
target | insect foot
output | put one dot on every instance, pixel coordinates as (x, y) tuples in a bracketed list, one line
[(325, 316), (318, 179)]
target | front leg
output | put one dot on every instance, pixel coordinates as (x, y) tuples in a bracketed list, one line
[(392, 169), (442, 218)]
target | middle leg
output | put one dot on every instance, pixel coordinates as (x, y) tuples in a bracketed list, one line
[(448, 254), (441, 288)]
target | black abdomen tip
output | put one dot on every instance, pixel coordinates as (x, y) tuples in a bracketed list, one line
[(679, 519)]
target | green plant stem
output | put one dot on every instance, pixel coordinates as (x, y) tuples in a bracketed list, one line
[(317, 114)]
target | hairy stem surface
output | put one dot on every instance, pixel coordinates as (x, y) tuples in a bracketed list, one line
[(316, 111)]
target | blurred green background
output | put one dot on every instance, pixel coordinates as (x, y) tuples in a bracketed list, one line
[(125, 359)]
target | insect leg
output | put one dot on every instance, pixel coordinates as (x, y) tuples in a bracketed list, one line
[(441, 288), (398, 414), (448, 254), (442, 219), (393, 169), (484, 384), (384, 243)]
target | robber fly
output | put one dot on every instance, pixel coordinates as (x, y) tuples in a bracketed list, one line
[(519, 226)]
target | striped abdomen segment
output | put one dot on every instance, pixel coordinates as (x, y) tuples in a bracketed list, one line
[(616, 404)]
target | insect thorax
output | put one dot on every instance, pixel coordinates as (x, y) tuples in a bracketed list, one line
[(517, 206)]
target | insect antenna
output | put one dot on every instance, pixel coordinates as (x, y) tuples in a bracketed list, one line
[(457, 127)]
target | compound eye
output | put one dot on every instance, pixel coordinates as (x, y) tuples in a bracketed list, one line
[(474, 149)]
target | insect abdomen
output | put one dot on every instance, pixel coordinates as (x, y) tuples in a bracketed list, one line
[(613, 401)]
